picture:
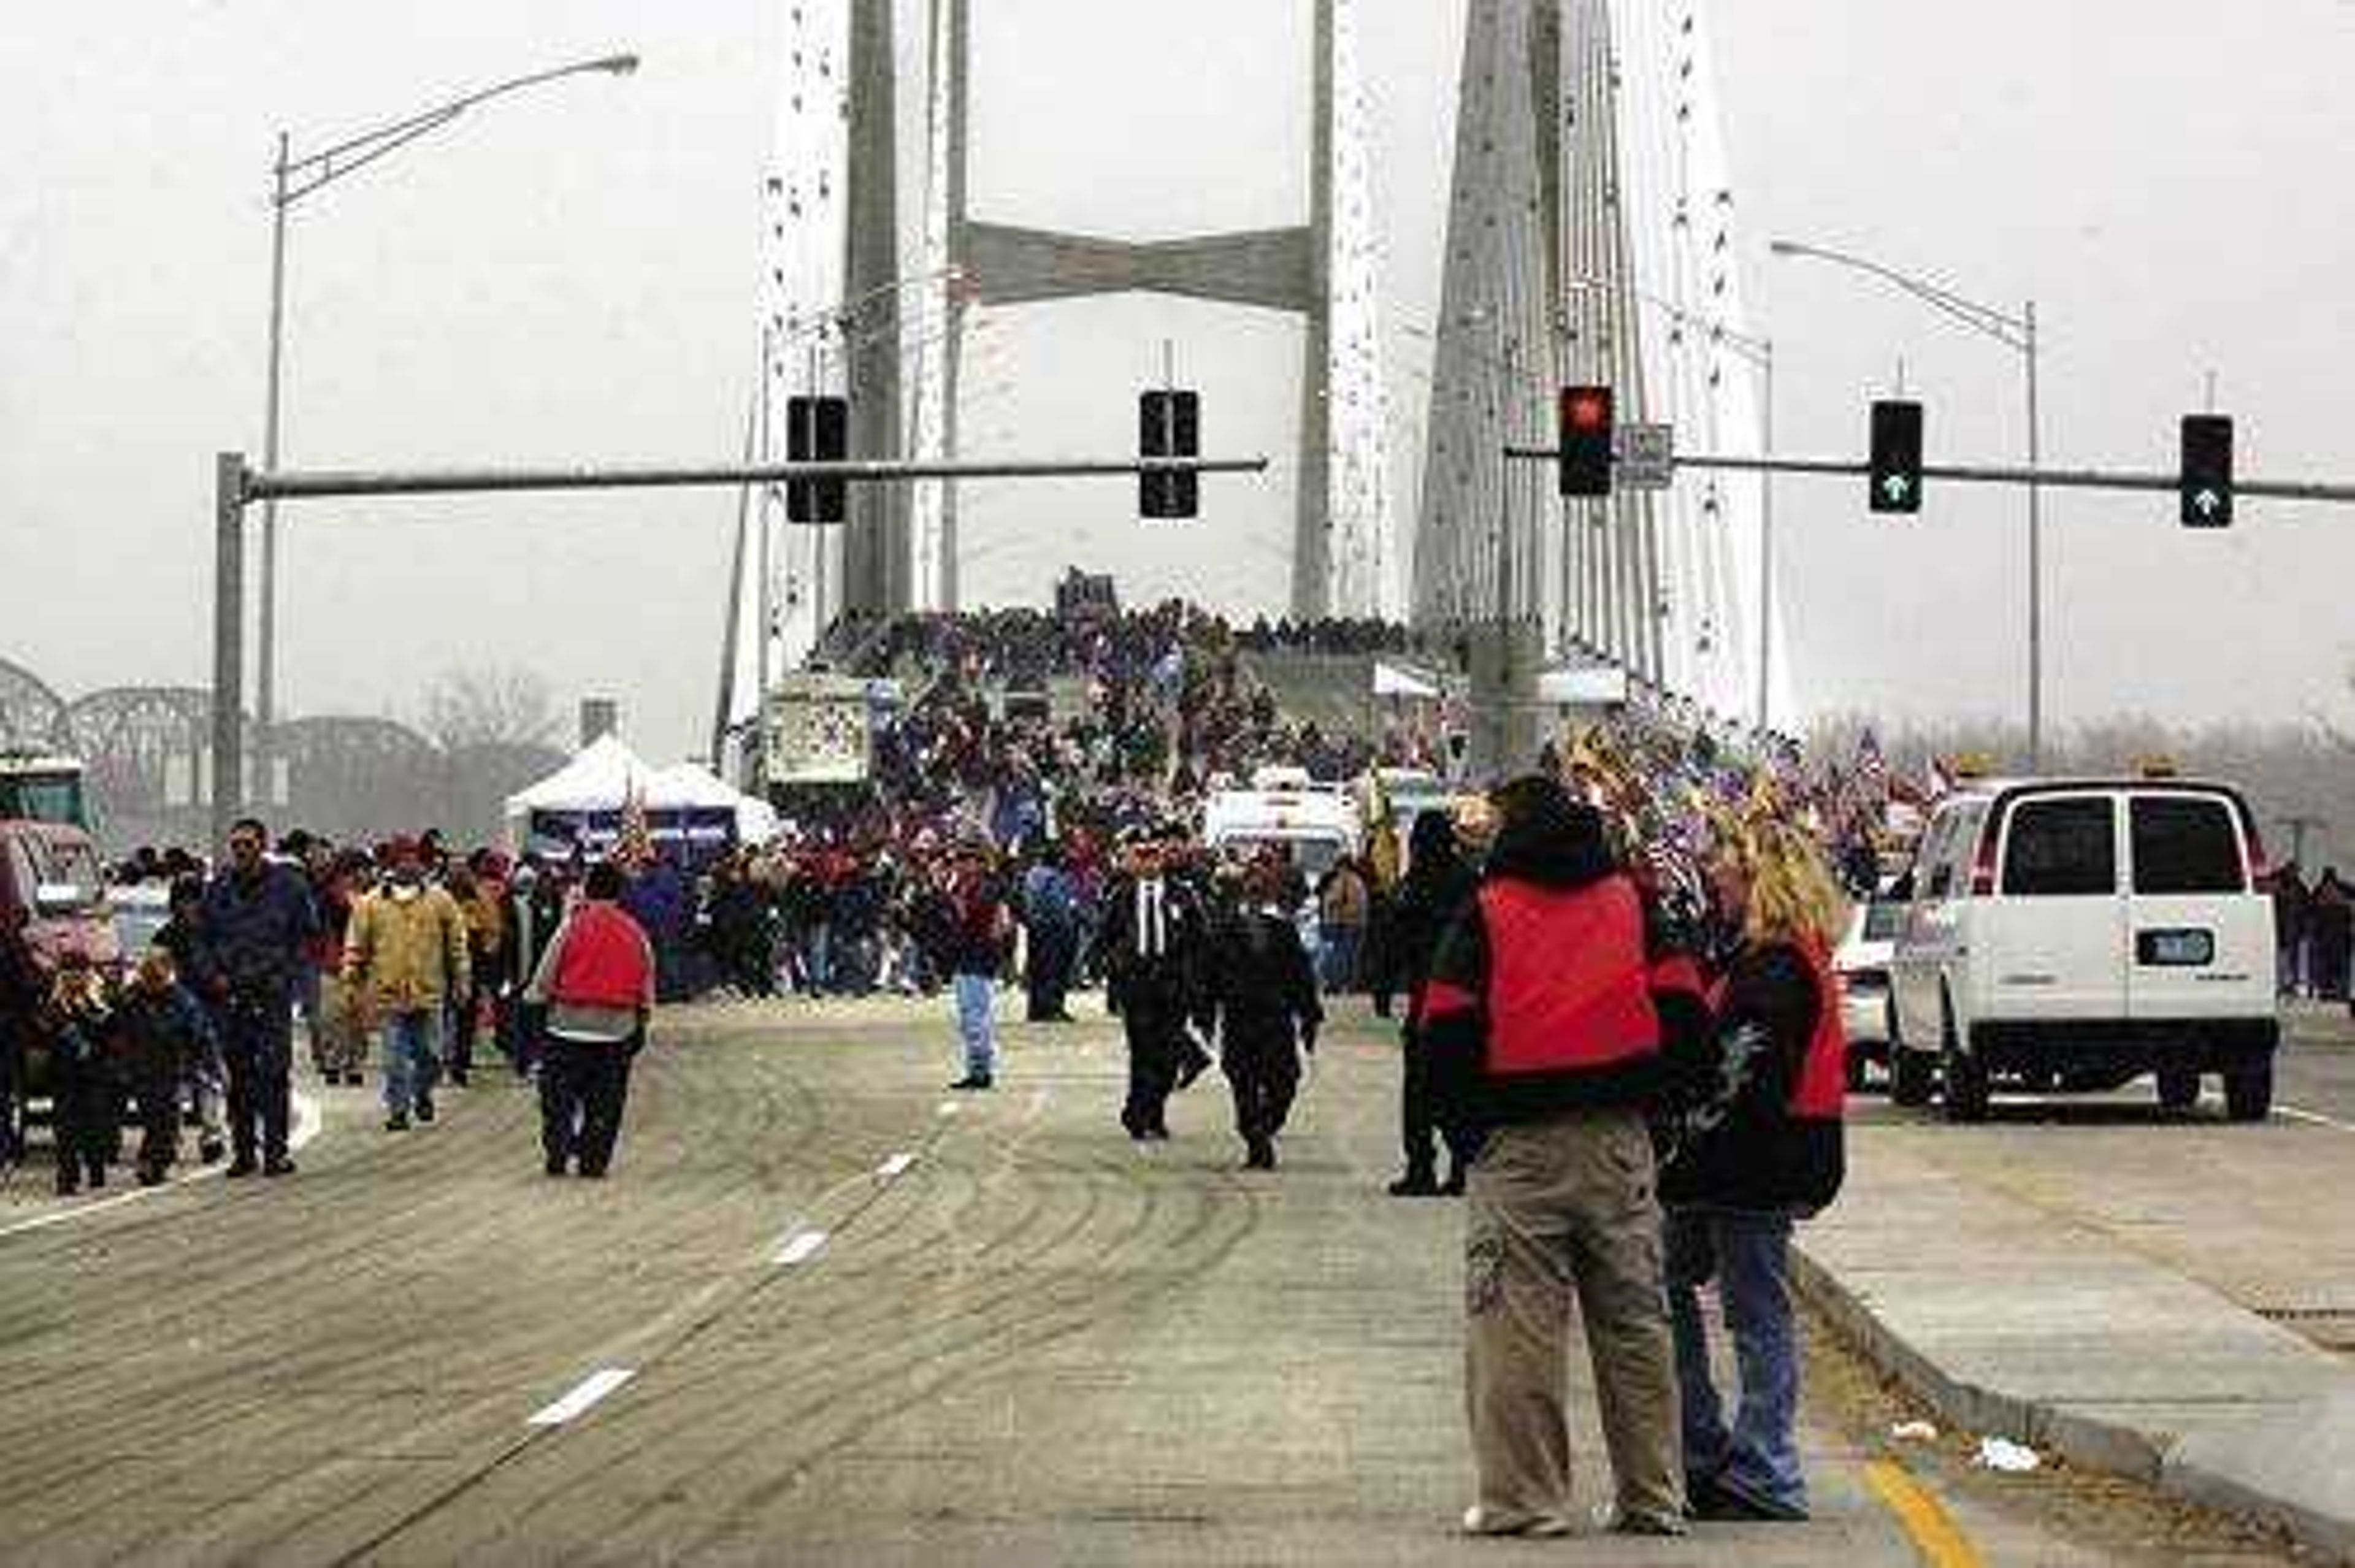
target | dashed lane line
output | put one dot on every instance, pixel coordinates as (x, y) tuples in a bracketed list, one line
[(2312, 1118), (308, 1120), (896, 1167), (1926, 1522), (581, 1396), (800, 1248)]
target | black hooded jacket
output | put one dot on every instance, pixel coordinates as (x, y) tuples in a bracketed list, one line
[(1558, 847), (1438, 886)]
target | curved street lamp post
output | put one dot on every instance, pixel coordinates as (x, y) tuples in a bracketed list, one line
[(2018, 333), (293, 179)]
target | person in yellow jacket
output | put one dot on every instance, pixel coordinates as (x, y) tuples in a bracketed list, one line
[(405, 953)]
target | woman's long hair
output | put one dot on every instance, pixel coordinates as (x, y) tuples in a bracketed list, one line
[(1793, 897)]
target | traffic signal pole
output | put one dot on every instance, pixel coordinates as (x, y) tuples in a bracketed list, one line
[(237, 488), (2328, 492)]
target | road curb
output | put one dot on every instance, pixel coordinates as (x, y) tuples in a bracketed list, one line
[(2087, 1442)]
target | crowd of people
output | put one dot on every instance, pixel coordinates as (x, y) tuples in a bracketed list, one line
[(1611, 981), (402, 952)]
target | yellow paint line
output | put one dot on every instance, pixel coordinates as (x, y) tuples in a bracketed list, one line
[(1933, 1529)]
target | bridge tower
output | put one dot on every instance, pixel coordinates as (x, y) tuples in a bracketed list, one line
[(1590, 239), (842, 310)]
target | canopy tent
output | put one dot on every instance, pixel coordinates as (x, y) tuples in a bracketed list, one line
[(1403, 680), (691, 814)]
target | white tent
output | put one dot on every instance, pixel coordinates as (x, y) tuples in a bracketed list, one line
[(693, 785), (1403, 680), (601, 778), (601, 781)]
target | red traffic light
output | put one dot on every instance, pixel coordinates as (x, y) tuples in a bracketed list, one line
[(1586, 409)]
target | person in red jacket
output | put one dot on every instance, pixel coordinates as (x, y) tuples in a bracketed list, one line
[(1543, 1036), (1759, 1149), (596, 982)]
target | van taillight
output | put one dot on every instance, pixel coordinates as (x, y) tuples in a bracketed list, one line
[(2260, 871), (1983, 864)]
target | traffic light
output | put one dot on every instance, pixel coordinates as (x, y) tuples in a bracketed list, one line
[(1169, 424), (1586, 437), (1896, 457), (2207, 471), (818, 430)]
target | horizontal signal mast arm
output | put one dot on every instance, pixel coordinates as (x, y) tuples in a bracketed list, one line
[(2049, 479), (300, 483)]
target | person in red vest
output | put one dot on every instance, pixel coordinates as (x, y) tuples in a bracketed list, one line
[(1542, 1037), (1761, 1148), (597, 983)]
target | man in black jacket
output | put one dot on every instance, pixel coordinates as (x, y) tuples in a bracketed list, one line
[(1153, 943), (1543, 1035), (1437, 885), (1262, 991)]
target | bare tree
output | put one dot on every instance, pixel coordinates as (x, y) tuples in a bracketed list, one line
[(503, 706)]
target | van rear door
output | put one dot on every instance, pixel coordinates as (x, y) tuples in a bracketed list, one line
[(2200, 935), (2050, 942)]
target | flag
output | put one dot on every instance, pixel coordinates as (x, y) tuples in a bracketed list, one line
[(635, 847)]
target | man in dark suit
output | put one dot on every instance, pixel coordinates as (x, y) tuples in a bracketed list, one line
[(1153, 944), (1264, 991)]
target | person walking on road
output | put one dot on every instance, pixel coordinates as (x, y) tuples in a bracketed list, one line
[(1760, 1149), (2329, 933), (1051, 934), (1344, 909), (166, 1036), (1542, 1034), (339, 1038), (405, 954), (1262, 992), (208, 1072), (597, 984), (1153, 944), (1437, 885), (257, 923), (85, 1101), (980, 931)]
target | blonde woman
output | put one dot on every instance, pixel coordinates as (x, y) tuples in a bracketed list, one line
[(1762, 1150)]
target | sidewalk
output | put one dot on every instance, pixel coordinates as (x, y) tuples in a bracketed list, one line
[(2011, 1320)]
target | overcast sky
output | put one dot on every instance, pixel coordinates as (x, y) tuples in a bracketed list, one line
[(568, 276)]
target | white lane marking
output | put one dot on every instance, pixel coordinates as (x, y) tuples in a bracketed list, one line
[(896, 1165), (2313, 1118), (949, 1108), (800, 1247), (308, 1120), (585, 1392)]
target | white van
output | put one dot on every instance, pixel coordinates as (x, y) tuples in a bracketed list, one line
[(2069, 936)]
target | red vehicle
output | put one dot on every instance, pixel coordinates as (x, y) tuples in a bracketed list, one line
[(50, 872)]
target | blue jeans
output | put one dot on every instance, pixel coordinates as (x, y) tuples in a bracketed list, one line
[(1749, 1256), (975, 1026), (412, 1057), (1337, 958)]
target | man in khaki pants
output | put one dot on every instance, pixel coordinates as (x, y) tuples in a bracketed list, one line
[(1541, 1029)]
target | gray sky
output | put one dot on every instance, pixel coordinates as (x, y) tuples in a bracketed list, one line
[(568, 276)]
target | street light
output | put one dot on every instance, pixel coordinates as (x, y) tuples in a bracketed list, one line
[(293, 179), (2017, 333)]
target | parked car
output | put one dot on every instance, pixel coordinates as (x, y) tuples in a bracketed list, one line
[(50, 872), (2071, 935), (140, 911), (1861, 966)]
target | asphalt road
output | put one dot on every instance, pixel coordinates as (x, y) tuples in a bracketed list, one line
[(825, 1312)]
